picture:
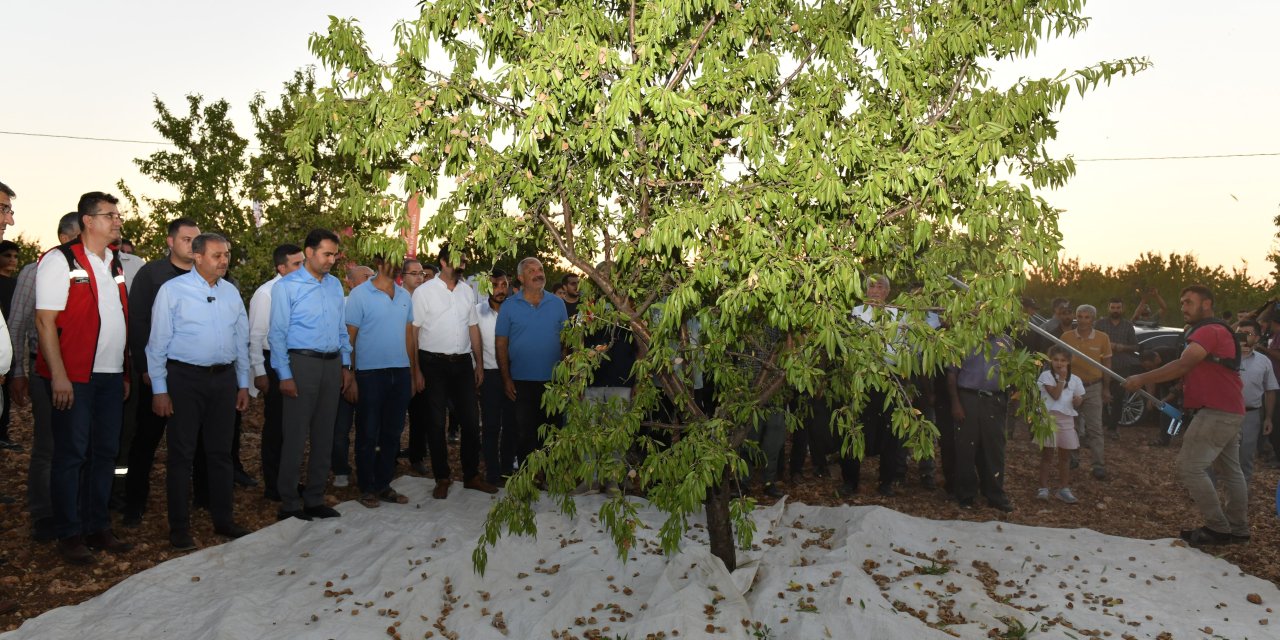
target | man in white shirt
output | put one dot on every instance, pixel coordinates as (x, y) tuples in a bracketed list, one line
[(80, 285), (496, 409), (287, 258), (1260, 385), (451, 360)]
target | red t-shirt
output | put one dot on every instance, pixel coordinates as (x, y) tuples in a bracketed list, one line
[(1210, 385)]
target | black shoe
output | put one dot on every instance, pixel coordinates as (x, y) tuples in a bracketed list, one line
[(105, 540), (771, 490), (965, 503), (820, 472), (285, 515), (181, 541), (232, 531), (8, 500), (1204, 536), (1235, 539), (321, 511), (886, 490), (245, 480), (273, 496), (42, 530), (928, 482), (74, 551), (6, 443), (131, 520), (1099, 473), (402, 454), (848, 490), (1002, 504)]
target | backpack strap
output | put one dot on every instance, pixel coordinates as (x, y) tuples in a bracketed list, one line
[(1232, 363)]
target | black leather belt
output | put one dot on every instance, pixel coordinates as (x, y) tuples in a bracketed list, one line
[(201, 368), (312, 353), (984, 394), (1253, 408), (447, 357)]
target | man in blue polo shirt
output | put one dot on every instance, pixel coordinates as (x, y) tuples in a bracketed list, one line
[(311, 352), (380, 322), (527, 344)]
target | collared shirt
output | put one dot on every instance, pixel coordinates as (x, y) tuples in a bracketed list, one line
[(382, 322), (306, 314), (533, 333), (198, 324), (53, 287), (22, 326), (142, 295), (487, 321), (1096, 345), (259, 324), (1122, 333), (132, 266), (977, 371), (444, 317), (885, 318), (1258, 378)]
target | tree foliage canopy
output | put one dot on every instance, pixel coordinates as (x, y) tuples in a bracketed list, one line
[(742, 167)]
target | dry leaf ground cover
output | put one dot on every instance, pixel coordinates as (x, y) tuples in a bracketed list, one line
[(1140, 500)]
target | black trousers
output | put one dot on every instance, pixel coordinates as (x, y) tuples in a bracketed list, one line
[(529, 417), (204, 412), (979, 446), (879, 438), (272, 435), (451, 390), (148, 431), (418, 420), (497, 419), (814, 437)]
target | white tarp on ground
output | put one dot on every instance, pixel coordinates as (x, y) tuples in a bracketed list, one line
[(817, 572)]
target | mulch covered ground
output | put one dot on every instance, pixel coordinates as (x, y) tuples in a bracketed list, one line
[(1141, 500)]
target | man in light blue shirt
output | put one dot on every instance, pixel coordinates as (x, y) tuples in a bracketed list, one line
[(198, 359), (379, 320), (311, 352)]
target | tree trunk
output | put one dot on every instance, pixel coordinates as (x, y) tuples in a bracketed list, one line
[(719, 528)]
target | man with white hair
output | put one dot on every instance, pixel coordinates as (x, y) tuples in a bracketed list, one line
[(527, 344), (1097, 346)]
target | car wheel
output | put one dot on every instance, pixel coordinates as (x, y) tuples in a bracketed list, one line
[(1132, 409)]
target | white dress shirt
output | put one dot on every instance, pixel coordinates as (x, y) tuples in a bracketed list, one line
[(444, 317), (488, 319), (259, 324)]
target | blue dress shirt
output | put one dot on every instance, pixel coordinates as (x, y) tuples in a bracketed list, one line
[(306, 314), (533, 334), (198, 324), (381, 323)]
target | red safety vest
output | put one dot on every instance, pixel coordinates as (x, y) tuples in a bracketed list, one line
[(78, 323)]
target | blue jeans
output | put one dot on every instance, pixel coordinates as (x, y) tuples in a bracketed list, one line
[(384, 399), (86, 438)]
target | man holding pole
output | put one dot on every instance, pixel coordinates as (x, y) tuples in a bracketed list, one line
[(1213, 391)]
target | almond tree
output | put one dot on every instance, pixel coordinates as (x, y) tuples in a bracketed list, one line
[(740, 168)]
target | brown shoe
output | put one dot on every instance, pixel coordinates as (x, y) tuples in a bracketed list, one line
[(477, 483), (7, 605), (107, 541), (442, 489), (74, 551)]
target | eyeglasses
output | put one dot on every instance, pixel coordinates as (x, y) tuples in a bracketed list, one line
[(6, 210), (109, 216), (418, 274)]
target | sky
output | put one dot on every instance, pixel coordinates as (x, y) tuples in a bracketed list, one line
[(91, 69)]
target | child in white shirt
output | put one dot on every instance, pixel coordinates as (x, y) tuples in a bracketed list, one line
[(1062, 393)]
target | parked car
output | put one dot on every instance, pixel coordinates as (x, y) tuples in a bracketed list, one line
[(1150, 337)]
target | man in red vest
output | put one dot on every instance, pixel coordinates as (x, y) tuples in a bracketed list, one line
[(81, 313)]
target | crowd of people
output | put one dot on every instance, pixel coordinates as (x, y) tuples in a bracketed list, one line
[(127, 356)]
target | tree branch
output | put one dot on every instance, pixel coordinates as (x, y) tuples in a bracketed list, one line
[(688, 60), (777, 93), (951, 98)]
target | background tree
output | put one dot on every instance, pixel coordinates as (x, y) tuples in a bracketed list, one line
[(217, 178), (1091, 284), (742, 167)]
